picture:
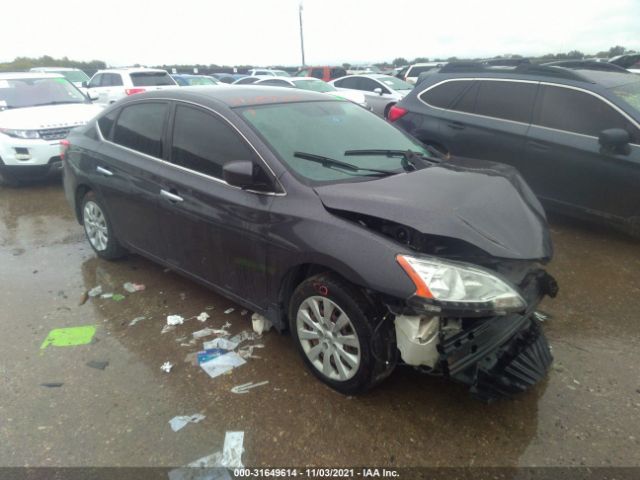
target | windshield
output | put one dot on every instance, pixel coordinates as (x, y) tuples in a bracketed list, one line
[(630, 93), (151, 79), (31, 92), (395, 83), (76, 76), (315, 86), (281, 73), (329, 129), (201, 81)]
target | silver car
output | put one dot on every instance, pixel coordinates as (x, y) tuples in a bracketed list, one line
[(381, 91)]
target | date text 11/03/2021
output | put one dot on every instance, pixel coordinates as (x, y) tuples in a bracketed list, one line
[(316, 472)]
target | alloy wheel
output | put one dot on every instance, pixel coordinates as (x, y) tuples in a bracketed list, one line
[(95, 225)]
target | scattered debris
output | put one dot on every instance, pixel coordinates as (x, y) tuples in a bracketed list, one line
[(228, 311), (244, 312), (247, 352), (260, 323), (118, 297), (232, 450), (166, 367), (175, 320), (205, 332), (183, 296), (209, 354), (98, 364), (245, 387), (243, 336), (168, 328), (226, 325), (192, 358), (133, 287), (95, 291), (52, 384), (83, 298), (136, 321), (203, 317), (222, 364), (209, 307), (179, 422), (542, 316), (222, 343), (71, 336)]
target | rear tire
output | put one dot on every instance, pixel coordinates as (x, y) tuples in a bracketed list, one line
[(98, 228), (332, 324)]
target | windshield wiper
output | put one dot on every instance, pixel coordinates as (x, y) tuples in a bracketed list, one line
[(330, 162), (408, 157)]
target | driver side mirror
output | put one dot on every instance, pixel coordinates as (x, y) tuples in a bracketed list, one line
[(241, 173), (377, 90), (615, 141), (92, 95)]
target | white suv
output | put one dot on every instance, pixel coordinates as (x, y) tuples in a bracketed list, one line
[(37, 111), (109, 86)]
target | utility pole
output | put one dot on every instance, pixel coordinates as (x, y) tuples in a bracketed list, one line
[(301, 34)]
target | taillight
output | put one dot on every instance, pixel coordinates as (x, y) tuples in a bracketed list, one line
[(396, 112), (133, 91), (64, 148)]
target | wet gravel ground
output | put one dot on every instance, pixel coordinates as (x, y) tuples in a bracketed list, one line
[(586, 413)]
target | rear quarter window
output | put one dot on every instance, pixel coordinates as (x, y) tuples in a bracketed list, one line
[(445, 94), (151, 79), (506, 100), (140, 127)]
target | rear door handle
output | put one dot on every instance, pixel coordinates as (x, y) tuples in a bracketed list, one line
[(172, 197), (104, 171), (456, 125)]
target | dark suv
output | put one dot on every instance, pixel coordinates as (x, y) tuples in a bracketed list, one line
[(573, 132)]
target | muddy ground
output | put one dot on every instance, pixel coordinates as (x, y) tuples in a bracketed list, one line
[(586, 413)]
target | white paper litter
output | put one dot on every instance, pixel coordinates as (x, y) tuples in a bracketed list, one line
[(95, 291), (133, 287), (244, 312), (166, 367), (175, 320), (222, 364), (203, 317), (136, 320), (168, 328), (247, 352), (205, 332), (181, 421), (244, 336), (232, 450), (222, 343), (106, 295), (226, 325), (229, 310), (260, 323), (245, 387)]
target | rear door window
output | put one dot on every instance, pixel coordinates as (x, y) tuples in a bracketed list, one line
[(368, 85), (445, 94), (151, 79), (112, 80), (106, 122), (95, 81), (317, 73), (204, 143), (351, 82), (337, 72), (579, 112), (506, 100), (140, 127)]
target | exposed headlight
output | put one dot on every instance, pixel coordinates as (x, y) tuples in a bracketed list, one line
[(460, 286), (28, 134)]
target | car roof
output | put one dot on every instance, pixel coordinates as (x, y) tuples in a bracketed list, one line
[(427, 64), (19, 75), (131, 70), (235, 95), (53, 69)]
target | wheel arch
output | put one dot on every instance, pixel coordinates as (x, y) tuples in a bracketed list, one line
[(81, 191)]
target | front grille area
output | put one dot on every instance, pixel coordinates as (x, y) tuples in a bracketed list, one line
[(54, 133)]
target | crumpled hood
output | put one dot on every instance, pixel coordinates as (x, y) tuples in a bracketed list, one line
[(49, 116), (483, 203)]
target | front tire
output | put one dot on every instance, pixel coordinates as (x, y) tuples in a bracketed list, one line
[(98, 228), (332, 324)]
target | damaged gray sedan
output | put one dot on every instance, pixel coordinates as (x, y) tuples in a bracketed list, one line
[(321, 216)]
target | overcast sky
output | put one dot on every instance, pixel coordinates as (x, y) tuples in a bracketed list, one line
[(266, 32)]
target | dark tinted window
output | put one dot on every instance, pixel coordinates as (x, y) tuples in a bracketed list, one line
[(151, 79), (467, 103), (112, 80), (204, 143), (95, 81), (140, 127), (444, 95), (337, 72), (350, 82), (367, 84), (506, 100), (578, 112), (317, 73), (106, 122)]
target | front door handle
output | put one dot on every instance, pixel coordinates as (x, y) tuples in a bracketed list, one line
[(456, 125), (172, 197), (104, 171)]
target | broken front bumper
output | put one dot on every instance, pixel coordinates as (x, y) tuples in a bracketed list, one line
[(495, 356)]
